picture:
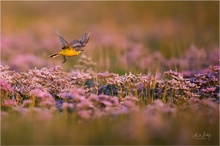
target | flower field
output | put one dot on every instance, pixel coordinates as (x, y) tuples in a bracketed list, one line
[(147, 76)]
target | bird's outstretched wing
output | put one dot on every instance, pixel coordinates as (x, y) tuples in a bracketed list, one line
[(78, 44), (85, 39), (63, 41)]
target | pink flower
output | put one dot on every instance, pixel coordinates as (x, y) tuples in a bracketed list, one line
[(5, 86), (27, 103), (131, 98), (209, 89), (9, 103), (93, 98), (42, 96), (85, 114), (103, 75), (106, 103), (86, 104), (130, 105), (68, 106)]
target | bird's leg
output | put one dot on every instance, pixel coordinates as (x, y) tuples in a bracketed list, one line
[(64, 59)]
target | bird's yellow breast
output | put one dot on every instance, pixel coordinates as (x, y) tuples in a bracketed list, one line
[(69, 51)]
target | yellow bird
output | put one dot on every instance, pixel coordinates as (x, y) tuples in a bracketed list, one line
[(73, 48)]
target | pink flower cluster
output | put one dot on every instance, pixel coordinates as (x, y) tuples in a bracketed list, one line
[(93, 106)]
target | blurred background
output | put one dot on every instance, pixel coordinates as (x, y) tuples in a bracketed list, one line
[(125, 36)]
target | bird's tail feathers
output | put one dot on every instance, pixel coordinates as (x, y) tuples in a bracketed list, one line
[(54, 55)]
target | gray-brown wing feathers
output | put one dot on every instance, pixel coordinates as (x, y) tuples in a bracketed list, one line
[(63, 41), (78, 44), (85, 39)]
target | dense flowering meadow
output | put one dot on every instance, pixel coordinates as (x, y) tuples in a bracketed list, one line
[(146, 100), (149, 75)]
